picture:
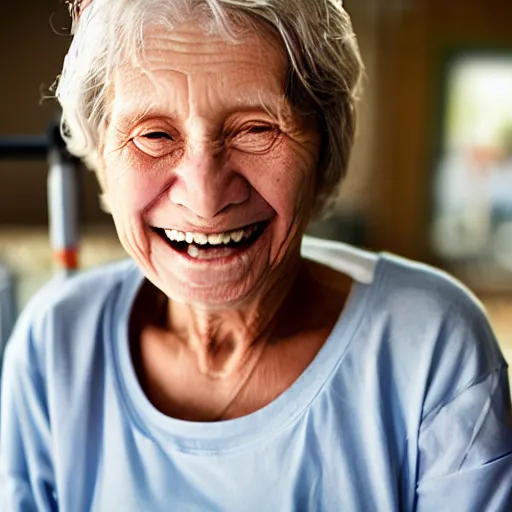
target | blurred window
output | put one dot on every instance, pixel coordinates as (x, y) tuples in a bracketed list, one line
[(472, 218)]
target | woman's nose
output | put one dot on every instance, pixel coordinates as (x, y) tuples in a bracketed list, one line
[(207, 185)]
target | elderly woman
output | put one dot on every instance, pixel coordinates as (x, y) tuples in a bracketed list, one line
[(218, 369)]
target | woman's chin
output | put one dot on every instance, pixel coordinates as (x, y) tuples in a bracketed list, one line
[(213, 298), (216, 278)]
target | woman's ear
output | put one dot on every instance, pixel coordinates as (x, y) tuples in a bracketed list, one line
[(99, 170), (104, 203)]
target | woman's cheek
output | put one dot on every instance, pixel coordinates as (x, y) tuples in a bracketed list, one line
[(132, 184), (285, 182)]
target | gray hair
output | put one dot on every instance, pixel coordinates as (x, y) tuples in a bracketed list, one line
[(324, 77)]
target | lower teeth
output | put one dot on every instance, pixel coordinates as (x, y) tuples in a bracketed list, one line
[(193, 251)]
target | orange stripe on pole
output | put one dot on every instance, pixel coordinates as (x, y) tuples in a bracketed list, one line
[(67, 258)]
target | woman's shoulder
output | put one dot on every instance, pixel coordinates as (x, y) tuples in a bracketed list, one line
[(67, 306), (429, 294), (430, 327), (417, 283), (79, 291), (398, 284), (436, 326)]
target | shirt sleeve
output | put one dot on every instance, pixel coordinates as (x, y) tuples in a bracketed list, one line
[(26, 474), (465, 449)]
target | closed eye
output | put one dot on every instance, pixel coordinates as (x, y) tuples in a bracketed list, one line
[(261, 128), (157, 136), (255, 137), (156, 144)]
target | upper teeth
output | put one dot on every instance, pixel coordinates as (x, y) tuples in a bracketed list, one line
[(215, 239)]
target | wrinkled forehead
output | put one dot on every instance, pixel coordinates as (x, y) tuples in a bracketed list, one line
[(213, 72), (189, 48)]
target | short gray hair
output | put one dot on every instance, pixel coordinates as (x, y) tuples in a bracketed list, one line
[(324, 77)]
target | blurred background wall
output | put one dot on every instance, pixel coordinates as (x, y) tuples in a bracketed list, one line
[(33, 43), (388, 201)]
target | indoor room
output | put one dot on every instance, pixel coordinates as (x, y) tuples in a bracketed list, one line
[(429, 178)]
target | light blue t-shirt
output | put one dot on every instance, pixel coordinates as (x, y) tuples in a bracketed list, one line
[(406, 407)]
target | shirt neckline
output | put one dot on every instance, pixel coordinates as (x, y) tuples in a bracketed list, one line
[(236, 433)]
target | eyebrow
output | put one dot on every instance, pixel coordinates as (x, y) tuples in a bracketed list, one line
[(126, 120)]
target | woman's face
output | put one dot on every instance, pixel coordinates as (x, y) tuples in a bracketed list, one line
[(209, 175)]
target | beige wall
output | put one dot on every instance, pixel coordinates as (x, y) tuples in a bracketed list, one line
[(31, 54)]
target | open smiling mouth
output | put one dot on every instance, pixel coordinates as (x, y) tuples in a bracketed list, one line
[(213, 246)]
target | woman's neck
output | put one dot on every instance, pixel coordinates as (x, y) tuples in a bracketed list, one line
[(224, 341), (206, 366)]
